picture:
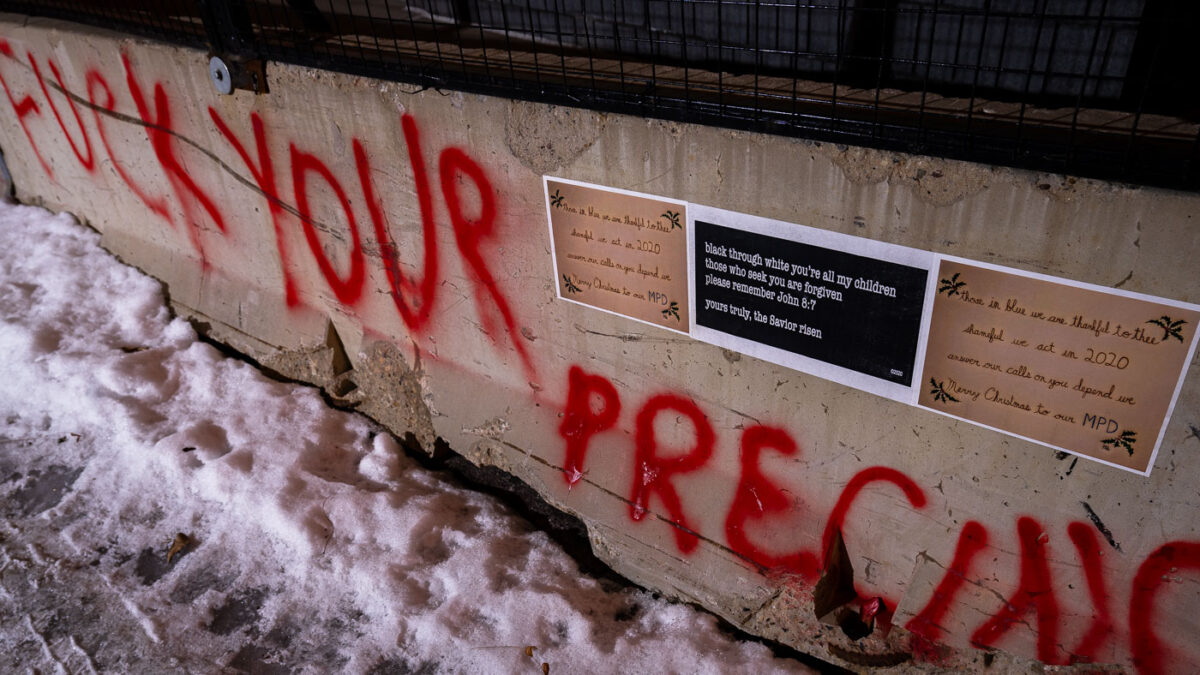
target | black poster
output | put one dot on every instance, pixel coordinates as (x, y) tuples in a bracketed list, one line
[(852, 311)]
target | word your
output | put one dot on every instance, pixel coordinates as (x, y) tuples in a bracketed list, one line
[(457, 175)]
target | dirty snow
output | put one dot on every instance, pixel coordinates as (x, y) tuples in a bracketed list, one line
[(312, 542)]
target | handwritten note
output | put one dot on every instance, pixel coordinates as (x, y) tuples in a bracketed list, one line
[(1091, 372), (620, 251)]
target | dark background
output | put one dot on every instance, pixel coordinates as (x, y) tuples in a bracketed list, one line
[(1101, 89)]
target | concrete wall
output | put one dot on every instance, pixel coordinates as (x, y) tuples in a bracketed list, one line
[(991, 550)]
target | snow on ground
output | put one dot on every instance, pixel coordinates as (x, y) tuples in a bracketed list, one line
[(312, 542)]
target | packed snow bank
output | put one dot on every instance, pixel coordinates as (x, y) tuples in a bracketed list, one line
[(311, 542)]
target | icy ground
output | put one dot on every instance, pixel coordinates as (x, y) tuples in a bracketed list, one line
[(311, 542)]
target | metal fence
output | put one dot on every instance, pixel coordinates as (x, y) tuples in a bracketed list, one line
[(1098, 88)]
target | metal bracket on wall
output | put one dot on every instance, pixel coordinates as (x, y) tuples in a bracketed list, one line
[(228, 75), (233, 63)]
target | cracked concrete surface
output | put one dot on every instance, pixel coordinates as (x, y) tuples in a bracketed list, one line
[(547, 138)]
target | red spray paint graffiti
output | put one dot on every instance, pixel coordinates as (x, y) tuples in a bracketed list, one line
[(26, 107), (593, 405), (837, 518), (580, 423), (1087, 544), (263, 173), (652, 473), (87, 161), (1148, 649), (926, 626), (157, 205), (1033, 591), (756, 497), (413, 300), (470, 233), (349, 289), (161, 135)]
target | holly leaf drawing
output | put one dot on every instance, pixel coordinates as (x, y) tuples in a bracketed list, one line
[(673, 216), (939, 392), (1171, 328), (951, 286), (556, 199), (1125, 440), (673, 310), (570, 285)]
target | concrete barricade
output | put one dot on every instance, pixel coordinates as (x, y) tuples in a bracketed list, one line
[(390, 244)]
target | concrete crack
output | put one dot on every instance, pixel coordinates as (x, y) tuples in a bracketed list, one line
[(631, 337), (1108, 535), (753, 615), (928, 558)]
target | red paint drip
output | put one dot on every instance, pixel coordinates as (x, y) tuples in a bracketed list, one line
[(756, 497), (653, 474), (88, 162), (872, 608), (26, 107), (161, 134), (926, 625), (263, 172), (348, 290), (157, 205), (417, 311), (580, 422), (470, 233), (1098, 634), (1148, 649), (1033, 591)]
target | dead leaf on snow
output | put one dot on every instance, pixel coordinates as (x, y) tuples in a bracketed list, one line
[(182, 541)]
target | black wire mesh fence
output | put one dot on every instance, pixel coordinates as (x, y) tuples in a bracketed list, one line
[(1097, 88)]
